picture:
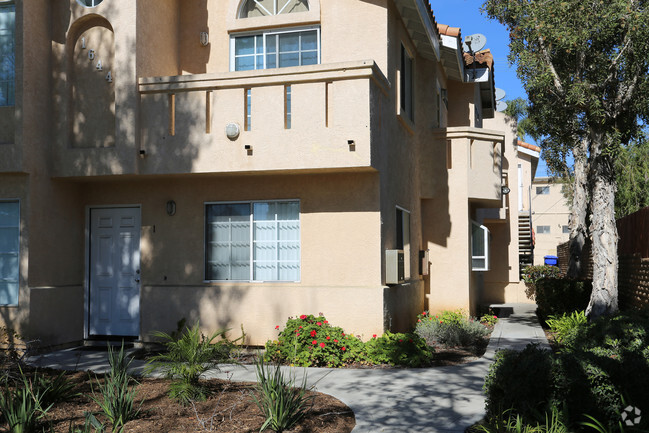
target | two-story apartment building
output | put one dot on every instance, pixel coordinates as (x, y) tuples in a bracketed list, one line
[(238, 162), (551, 216)]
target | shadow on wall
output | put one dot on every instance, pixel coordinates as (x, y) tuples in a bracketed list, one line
[(193, 21)]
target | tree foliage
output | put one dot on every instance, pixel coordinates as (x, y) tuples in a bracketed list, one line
[(517, 109), (584, 66), (632, 174)]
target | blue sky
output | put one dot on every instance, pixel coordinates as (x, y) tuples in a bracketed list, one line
[(466, 15)]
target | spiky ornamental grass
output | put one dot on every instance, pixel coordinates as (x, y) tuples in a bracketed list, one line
[(282, 403)]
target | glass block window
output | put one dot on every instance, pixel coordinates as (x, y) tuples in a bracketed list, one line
[(255, 241)]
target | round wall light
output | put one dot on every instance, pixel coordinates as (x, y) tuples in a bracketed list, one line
[(232, 130)]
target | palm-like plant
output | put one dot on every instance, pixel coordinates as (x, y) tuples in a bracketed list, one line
[(188, 356)]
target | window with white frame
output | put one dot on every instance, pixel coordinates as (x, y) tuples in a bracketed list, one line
[(406, 102), (480, 239), (263, 8), (542, 230), (275, 49), (252, 241), (565, 229), (7, 54), (9, 252)]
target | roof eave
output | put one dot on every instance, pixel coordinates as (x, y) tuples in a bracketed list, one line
[(419, 22)]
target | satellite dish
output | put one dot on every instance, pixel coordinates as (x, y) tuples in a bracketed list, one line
[(501, 106), (500, 94), (474, 42)]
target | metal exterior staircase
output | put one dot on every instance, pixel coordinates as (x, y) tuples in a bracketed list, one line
[(525, 244)]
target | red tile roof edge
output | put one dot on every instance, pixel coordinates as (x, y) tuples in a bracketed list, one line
[(529, 146)]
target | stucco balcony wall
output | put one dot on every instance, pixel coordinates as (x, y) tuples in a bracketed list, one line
[(483, 152), (183, 120)]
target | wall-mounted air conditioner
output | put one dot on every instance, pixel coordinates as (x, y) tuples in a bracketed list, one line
[(394, 267)]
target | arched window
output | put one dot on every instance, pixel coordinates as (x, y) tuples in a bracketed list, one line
[(89, 3), (262, 8)]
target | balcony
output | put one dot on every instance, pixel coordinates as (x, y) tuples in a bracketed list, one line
[(474, 163), (321, 122)]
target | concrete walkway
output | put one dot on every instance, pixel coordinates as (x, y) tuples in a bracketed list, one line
[(440, 399)]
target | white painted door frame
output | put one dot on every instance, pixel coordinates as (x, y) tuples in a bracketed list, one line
[(88, 258)]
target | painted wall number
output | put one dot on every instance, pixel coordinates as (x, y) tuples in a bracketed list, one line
[(83, 43), (91, 54), (109, 77), (98, 67)]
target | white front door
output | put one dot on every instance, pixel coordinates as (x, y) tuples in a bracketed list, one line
[(114, 294)]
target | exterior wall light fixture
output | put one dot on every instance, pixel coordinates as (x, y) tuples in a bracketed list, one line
[(205, 38), (171, 208)]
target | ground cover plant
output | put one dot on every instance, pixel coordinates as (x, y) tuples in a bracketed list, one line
[(310, 340), (598, 370), (229, 408)]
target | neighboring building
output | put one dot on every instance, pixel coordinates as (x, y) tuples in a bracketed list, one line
[(239, 162), (550, 217)]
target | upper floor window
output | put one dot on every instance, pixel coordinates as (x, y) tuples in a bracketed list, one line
[(406, 104), (7, 55), (89, 3), (542, 190), (262, 8), (275, 49)]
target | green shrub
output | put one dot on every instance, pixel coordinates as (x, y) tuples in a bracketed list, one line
[(187, 357), (556, 296), (282, 403), (311, 341), (562, 326), (408, 350), (532, 274), (450, 329), (522, 381), (116, 393), (598, 367), (489, 318)]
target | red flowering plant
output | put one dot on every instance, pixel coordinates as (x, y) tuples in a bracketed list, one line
[(309, 340)]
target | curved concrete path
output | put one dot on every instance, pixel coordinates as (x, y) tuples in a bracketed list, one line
[(440, 399)]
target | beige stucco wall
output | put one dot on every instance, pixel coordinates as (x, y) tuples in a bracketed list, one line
[(348, 193), (340, 253), (501, 283), (549, 210)]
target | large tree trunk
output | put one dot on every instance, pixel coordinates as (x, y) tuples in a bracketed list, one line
[(579, 209), (603, 230)]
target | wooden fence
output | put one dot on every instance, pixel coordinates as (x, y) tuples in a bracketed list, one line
[(633, 270)]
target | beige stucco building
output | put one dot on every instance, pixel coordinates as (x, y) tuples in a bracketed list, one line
[(550, 217), (239, 162)]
